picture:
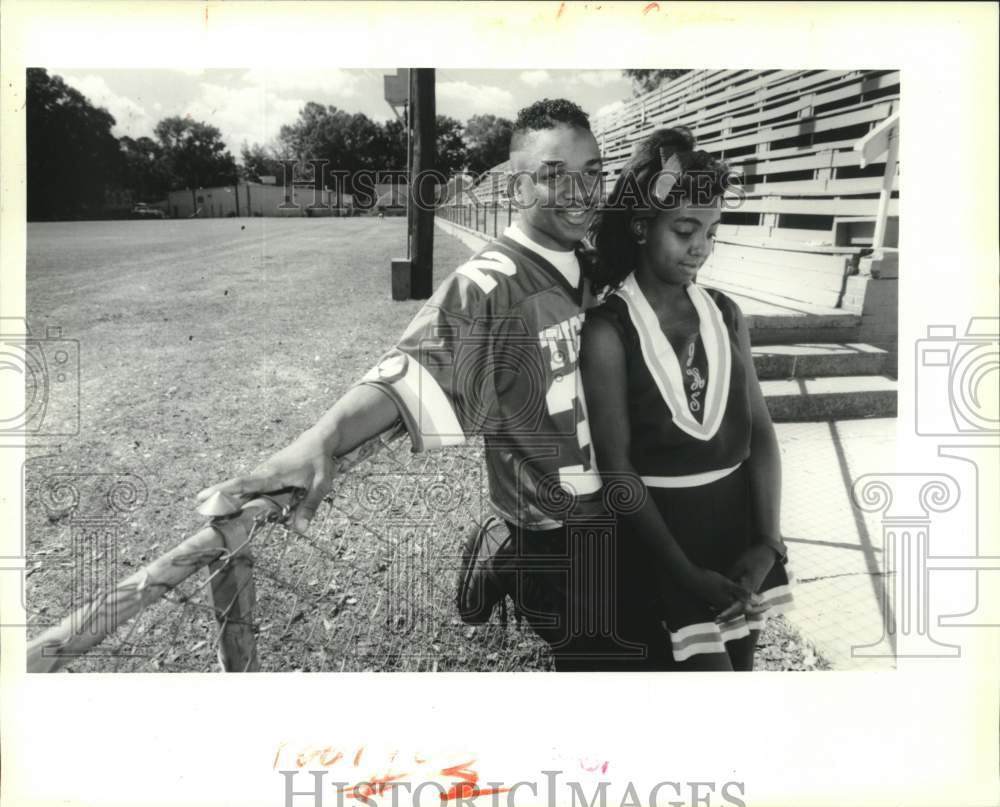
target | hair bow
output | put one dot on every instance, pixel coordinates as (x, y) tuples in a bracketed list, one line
[(670, 171)]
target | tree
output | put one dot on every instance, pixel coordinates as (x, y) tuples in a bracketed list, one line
[(394, 145), (364, 141), (487, 139), (144, 171), (450, 147), (451, 151), (72, 157), (194, 153), (347, 143), (261, 161), (317, 134), (355, 143), (644, 81)]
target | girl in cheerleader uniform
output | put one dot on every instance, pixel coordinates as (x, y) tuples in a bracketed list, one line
[(675, 408)]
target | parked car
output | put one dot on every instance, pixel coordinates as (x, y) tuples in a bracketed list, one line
[(143, 211)]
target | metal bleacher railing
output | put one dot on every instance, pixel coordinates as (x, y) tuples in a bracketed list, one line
[(809, 204)]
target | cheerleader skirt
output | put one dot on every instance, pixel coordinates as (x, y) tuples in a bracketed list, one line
[(713, 524)]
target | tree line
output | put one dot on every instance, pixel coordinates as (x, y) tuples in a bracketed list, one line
[(75, 165)]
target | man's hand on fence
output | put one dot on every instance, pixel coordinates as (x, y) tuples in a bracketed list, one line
[(306, 464)]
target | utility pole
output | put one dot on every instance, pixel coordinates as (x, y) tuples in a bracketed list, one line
[(421, 201), (410, 220)]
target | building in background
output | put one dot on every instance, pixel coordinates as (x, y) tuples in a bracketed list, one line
[(246, 199)]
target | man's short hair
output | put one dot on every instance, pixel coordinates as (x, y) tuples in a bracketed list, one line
[(547, 114)]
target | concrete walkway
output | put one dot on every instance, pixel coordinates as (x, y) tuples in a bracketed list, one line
[(835, 549)]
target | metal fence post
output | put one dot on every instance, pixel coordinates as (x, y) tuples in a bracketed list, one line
[(233, 600)]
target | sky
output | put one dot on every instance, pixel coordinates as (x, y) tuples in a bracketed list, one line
[(250, 105)]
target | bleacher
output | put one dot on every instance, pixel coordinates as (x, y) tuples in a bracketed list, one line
[(797, 246), (808, 212)]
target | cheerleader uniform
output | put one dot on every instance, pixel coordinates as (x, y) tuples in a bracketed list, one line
[(689, 415)]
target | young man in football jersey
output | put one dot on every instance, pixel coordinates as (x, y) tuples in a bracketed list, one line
[(494, 352)]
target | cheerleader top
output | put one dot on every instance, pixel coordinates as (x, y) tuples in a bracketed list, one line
[(689, 415)]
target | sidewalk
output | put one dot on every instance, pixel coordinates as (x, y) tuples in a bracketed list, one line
[(835, 550)]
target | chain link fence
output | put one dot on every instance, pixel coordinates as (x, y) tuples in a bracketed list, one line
[(371, 587)]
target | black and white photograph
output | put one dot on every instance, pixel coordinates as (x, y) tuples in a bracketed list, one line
[(464, 370), (595, 376)]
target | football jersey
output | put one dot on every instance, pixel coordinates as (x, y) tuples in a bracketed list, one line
[(494, 352)]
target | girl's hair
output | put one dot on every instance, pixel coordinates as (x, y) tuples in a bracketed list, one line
[(670, 152)]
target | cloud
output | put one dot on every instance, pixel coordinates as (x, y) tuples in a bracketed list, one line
[(535, 78), (331, 80), (131, 118), (250, 114), (462, 99), (600, 78), (609, 109)]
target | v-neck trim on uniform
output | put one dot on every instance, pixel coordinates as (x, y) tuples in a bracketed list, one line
[(664, 366)]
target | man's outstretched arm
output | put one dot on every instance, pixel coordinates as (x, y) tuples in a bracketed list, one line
[(420, 381), (362, 413)]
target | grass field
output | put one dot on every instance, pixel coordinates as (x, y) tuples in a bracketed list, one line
[(204, 346)]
